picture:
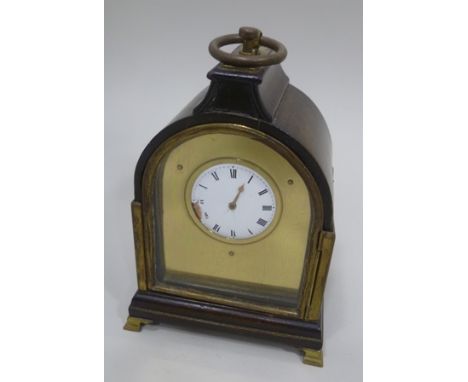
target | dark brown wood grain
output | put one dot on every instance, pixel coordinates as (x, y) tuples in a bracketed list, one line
[(166, 308)]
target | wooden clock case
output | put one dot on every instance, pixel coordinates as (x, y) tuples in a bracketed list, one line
[(261, 99)]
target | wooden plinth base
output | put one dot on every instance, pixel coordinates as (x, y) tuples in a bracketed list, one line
[(152, 307)]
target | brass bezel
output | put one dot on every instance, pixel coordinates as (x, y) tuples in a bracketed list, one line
[(312, 254), (245, 163)]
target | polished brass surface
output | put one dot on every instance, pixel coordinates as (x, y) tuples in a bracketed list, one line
[(192, 210), (134, 324), (261, 259), (325, 248), (139, 244), (313, 357), (310, 270), (251, 38), (220, 285), (295, 236)]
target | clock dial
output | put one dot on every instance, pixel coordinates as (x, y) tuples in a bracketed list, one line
[(233, 201)]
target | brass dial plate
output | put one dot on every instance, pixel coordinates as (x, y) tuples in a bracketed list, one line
[(234, 161), (273, 274)]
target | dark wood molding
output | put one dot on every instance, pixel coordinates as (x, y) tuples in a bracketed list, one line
[(159, 307)]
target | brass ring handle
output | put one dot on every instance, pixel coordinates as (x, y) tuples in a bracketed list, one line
[(249, 56)]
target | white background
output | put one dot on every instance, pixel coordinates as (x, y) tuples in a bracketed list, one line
[(156, 61), (51, 221)]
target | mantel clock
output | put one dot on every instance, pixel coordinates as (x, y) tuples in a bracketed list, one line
[(232, 216)]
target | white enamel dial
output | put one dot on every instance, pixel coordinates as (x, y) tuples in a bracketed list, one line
[(233, 201)]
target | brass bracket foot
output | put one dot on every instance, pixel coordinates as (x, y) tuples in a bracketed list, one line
[(134, 324), (313, 357)]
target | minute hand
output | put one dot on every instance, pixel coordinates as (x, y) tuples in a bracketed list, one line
[(233, 205)]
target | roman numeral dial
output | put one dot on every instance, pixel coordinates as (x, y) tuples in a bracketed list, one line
[(233, 201)]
